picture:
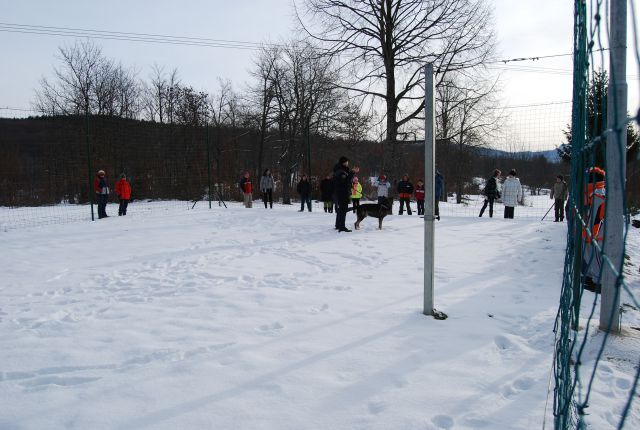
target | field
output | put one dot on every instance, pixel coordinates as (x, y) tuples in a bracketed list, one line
[(269, 319)]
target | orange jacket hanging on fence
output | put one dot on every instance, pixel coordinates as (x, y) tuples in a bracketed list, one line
[(123, 189), (594, 201)]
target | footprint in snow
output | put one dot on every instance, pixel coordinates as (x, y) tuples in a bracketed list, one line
[(376, 406), (270, 329), (443, 421), (315, 310)]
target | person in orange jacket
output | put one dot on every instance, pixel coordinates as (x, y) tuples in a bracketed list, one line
[(123, 190), (594, 205)]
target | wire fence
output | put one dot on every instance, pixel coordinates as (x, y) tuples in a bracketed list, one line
[(50, 164), (594, 279)]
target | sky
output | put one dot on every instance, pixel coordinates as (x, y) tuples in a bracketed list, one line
[(523, 29)]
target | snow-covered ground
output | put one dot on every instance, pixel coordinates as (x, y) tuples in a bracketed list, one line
[(533, 207), (269, 319)]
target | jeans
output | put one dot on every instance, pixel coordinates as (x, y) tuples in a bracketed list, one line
[(267, 197), (342, 206), (402, 203), (303, 200), (420, 204), (559, 209), (122, 210), (356, 204), (102, 205), (508, 212), (488, 201)]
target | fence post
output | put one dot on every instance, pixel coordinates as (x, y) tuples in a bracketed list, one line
[(90, 170), (616, 150), (209, 191), (429, 176)]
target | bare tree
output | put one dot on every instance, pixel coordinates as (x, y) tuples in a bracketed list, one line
[(89, 83), (385, 43), (74, 84), (466, 119)]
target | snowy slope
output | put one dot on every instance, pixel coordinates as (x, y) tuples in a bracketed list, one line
[(238, 319)]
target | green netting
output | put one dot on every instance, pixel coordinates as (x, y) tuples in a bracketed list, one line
[(586, 258)]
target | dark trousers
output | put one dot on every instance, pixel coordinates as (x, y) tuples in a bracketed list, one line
[(102, 205), (420, 204), (436, 209), (559, 209), (488, 201), (342, 207), (508, 212), (356, 204), (402, 203), (267, 197), (303, 200), (122, 210)]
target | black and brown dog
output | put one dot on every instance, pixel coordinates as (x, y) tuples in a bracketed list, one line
[(376, 210)]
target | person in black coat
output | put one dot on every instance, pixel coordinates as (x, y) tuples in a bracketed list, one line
[(405, 189), (304, 189), (491, 193), (342, 180), (326, 193)]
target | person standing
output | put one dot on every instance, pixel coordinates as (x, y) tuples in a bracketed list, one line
[(304, 189), (559, 192), (356, 193), (419, 193), (439, 186), (123, 190), (245, 187), (491, 193), (593, 216), (511, 193), (326, 193), (342, 180), (266, 187), (405, 189), (102, 193), (383, 187)]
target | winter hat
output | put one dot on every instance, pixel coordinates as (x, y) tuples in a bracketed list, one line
[(383, 177), (100, 172), (343, 160), (512, 172)]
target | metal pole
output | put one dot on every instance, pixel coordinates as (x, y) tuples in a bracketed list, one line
[(90, 170), (209, 191), (308, 151), (615, 167), (429, 184)]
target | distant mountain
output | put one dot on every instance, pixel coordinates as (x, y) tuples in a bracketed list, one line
[(551, 155)]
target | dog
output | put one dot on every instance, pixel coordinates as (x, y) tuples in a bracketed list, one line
[(375, 210)]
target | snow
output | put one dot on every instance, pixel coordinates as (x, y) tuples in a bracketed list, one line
[(269, 319)]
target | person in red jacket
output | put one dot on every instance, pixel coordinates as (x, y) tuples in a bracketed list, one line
[(123, 190), (102, 193), (245, 187), (419, 193)]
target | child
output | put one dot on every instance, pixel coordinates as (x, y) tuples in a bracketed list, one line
[(245, 187), (383, 189), (419, 193), (356, 193), (123, 190)]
